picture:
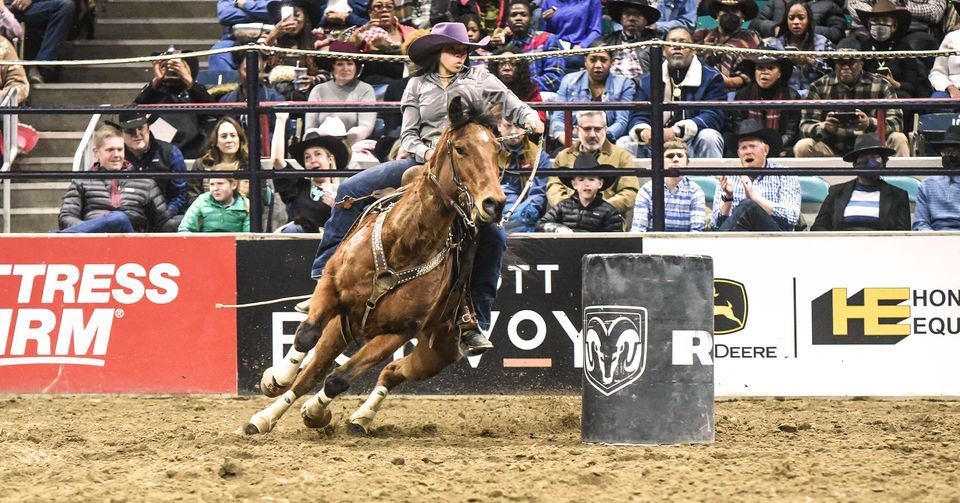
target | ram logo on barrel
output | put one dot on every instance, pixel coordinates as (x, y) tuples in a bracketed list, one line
[(615, 346)]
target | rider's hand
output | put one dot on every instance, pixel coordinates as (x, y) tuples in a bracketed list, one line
[(535, 124)]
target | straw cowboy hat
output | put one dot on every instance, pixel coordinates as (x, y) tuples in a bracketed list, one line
[(442, 35), (885, 8), (328, 135), (752, 129), (748, 7), (615, 9), (587, 161), (869, 142)]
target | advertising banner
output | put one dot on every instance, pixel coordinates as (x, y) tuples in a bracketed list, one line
[(88, 314), (535, 323), (832, 315)]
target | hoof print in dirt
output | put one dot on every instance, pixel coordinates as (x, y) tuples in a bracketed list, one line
[(788, 428)]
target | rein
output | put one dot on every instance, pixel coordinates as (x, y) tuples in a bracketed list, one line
[(533, 171)]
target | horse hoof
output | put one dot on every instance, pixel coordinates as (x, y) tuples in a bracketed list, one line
[(251, 429), (357, 429), (269, 385), (320, 422)]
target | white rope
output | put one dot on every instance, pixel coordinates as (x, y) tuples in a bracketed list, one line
[(261, 303)]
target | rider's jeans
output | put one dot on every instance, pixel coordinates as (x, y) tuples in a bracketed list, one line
[(491, 246)]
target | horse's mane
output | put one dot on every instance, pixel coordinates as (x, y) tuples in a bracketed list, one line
[(469, 105)]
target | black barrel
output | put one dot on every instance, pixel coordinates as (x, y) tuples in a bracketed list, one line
[(647, 349)]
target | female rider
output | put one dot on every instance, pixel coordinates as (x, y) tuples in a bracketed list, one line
[(442, 57)]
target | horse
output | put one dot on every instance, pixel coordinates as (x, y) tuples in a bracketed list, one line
[(458, 189)]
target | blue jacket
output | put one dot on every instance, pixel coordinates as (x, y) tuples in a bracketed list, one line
[(357, 16), (708, 87), (579, 22), (576, 87), (674, 14)]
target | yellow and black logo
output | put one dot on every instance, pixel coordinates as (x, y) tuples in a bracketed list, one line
[(870, 316), (729, 306)]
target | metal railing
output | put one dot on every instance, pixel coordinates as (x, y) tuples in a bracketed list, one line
[(83, 158), (11, 125)]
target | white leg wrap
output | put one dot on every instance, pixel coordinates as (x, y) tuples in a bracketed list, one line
[(287, 370), (313, 408), (267, 418), (365, 414)]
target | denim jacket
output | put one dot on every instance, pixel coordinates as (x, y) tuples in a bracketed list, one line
[(576, 87)]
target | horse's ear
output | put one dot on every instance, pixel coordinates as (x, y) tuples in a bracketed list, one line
[(497, 110), (457, 111)]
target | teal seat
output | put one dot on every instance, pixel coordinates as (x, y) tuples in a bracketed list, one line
[(907, 183), (813, 189), (709, 186)]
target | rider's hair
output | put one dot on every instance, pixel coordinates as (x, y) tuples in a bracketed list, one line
[(103, 132), (432, 64)]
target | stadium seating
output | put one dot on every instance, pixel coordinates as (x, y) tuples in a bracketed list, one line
[(907, 183)]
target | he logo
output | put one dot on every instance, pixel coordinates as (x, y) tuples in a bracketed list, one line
[(615, 346), (870, 316), (729, 306)]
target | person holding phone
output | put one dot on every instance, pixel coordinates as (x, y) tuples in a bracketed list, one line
[(832, 133)]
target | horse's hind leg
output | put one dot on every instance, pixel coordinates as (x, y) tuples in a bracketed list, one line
[(424, 362), (373, 352)]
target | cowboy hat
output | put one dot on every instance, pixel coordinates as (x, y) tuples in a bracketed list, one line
[(951, 138), (442, 35), (328, 136), (338, 46), (752, 129), (130, 120), (615, 9), (865, 143), (587, 161), (885, 8), (749, 66), (748, 7)]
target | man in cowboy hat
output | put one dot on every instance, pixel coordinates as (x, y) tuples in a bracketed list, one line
[(771, 77), (685, 78), (636, 17), (546, 72), (831, 134), (585, 210), (866, 203), (309, 200), (751, 202), (146, 153), (938, 201), (730, 16), (922, 31)]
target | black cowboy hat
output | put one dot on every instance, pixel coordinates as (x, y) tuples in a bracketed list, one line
[(950, 139), (333, 144), (849, 44), (785, 64), (752, 129), (615, 9), (748, 7), (868, 142), (441, 35), (338, 46), (885, 8), (273, 8), (130, 120), (587, 161)]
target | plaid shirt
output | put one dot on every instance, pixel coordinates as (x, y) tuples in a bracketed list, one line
[(727, 62), (829, 87), (782, 191), (546, 72), (684, 210)]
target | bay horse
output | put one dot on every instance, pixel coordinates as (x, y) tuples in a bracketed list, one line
[(457, 189)]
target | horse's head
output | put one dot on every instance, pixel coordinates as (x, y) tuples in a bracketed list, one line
[(471, 146)]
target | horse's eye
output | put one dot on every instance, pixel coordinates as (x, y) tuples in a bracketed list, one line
[(461, 150)]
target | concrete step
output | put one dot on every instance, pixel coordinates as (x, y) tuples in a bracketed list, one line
[(106, 49), (56, 122), (130, 9), (151, 28), (30, 162), (124, 72), (72, 94), (37, 194), (34, 219), (57, 144)]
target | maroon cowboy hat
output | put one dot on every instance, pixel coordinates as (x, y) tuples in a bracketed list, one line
[(442, 35), (338, 46)]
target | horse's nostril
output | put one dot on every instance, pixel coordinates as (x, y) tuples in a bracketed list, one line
[(492, 206)]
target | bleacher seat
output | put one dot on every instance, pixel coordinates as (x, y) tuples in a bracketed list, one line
[(813, 189), (931, 127), (709, 186), (907, 183), (209, 78)]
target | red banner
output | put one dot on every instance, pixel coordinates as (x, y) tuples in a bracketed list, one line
[(84, 314)]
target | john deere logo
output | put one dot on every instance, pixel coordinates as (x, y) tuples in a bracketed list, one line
[(729, 306), (870, 316)]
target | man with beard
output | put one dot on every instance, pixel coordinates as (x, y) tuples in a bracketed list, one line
[(866, 203), (592, 141), (938, 201), (730, 16), (685, 78), (546, 72), (635, 16), (173, 82), (750, 203), (831, 134), (146, 153), (595, 83)]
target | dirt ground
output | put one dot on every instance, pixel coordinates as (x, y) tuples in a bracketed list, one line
[(110, 448)]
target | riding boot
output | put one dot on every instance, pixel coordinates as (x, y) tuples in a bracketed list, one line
[(303, 306), (470, 336)]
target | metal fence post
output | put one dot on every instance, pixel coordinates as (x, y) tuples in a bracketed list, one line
[(253, 139), (656, 135)]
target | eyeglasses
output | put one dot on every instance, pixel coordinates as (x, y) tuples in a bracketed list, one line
[(381, 6)]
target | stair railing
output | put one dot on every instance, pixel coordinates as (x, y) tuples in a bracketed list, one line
[(10, 125), (83, 158)]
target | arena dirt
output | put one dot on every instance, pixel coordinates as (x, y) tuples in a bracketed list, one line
[(470, 449)]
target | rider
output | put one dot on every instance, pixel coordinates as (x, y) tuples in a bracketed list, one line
[(442, 58)]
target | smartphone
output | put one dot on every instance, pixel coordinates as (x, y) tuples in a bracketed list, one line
[(883, 70), (846, 118), (286, 11), (791, 48)]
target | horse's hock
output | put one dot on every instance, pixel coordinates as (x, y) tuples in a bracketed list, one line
[(647, 349)]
